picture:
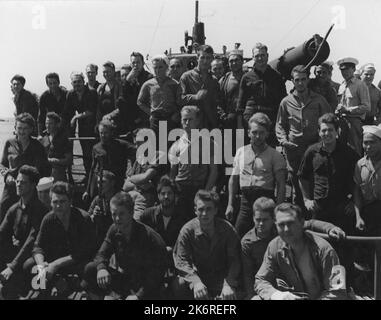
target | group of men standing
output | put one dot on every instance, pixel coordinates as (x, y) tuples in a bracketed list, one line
[(323, 130)]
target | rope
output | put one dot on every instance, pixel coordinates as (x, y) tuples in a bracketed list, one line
[(297, 24)]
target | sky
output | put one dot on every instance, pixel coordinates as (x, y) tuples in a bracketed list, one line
[(38, 37)]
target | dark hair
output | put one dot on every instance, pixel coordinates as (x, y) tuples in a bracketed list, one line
[(52, 75), (108, 175), (261, 119), (123, 199), (62, 188), (109, 64), (20, 78), (204, 49), (329, 118), (299, 69), (260, 46), (31, 172), (165, 181), (27, 118), (137, 55), (207, 195), (264, 204), (54, 116), (126, 67), (107, 124), (178, 59), (287, 207)]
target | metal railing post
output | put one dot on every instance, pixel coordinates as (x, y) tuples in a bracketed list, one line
[(377, 270)]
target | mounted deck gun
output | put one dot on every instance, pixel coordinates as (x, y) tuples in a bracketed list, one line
[(312, 52)]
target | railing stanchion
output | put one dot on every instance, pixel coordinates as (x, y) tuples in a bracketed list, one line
[(377, 270)]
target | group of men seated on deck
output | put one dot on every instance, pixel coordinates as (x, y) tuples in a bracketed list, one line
[(150, 229)]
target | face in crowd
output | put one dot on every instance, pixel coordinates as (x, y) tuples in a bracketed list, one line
[(106, 185), (51, 125), (78, 83), (300, 81), (175, 69), (235, 63), (121, 216), (137, 64), (23, 130), (105, 134), (108, 73), (368, 76), (348, 72), (218, 69), (261, 57), (53, 84), (160, 69), (189, 121), (166, 197), (60, 203), (263, 222), (328, 133), (205, 212), (91, 73), (24, 186), (204, 60), (16, 86), (289, 226), (257, 134), (371, 145), (322, 74)]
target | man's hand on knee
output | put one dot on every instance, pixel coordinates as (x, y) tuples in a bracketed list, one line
[(103, 278)]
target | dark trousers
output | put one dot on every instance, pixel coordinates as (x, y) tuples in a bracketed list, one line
[(183, 291), (121, 283), (245, 216), (14, 286), (340, 212), (294, 157), (29, 273)]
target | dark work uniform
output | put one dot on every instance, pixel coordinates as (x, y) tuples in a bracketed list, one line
[(57, 148), (86, 127), (21, 223), (13, 158), (130, 114), (26, 102), (331, 179), (54, 242), (49, 103), (113, 157), (153, 217), (261, 92), (141, 259)]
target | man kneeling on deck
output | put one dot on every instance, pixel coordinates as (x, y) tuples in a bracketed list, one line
[(140, 254), (65, 242), (297, 264)]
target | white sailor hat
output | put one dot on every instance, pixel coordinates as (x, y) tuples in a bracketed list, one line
[(347, 62), (45, 183), (375, 130), (368, 66)]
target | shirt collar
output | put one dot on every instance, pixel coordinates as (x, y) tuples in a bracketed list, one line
[(199, 232)]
